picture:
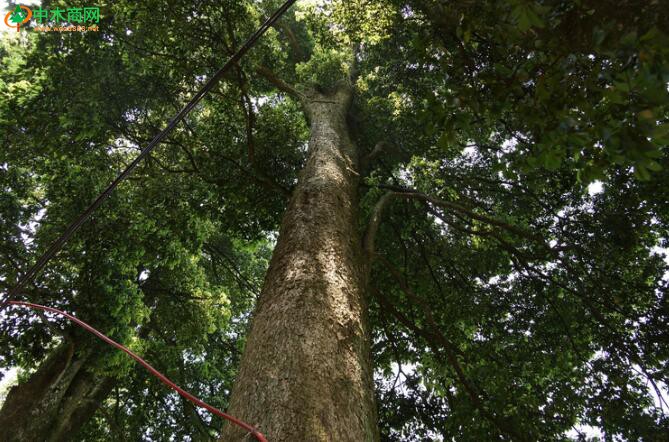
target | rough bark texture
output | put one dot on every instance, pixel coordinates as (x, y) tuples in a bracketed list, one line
[(55, 402), (306, 371)]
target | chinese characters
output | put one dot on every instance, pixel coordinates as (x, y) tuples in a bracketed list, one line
[(71, 15)]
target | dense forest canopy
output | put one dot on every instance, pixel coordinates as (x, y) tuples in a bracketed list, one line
[(510, 213)]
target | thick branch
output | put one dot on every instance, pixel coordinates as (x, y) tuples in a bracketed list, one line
[(270, 76), (408, 193), (378, 149), (374, 223), (299, 53), (477, 216), (415, 194)]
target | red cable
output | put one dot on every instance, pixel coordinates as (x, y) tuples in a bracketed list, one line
[(258, 435)]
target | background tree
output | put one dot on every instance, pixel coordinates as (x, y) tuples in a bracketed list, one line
[(448, 183)]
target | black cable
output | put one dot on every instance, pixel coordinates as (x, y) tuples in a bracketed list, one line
[(74, 226)]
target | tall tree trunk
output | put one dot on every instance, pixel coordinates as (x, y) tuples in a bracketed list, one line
[(55, 402), (306, 371)]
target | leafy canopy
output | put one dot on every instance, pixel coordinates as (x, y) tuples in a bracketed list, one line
[(506, 301)]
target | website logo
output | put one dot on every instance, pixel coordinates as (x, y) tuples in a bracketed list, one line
[(79, 19)]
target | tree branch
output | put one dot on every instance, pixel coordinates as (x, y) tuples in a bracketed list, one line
[(434, 336), (477, 216), (298, 52), (378, 149), (374, 222), (270, 76)]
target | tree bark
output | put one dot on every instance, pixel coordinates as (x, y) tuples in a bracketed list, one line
[(55, 402), (306, 371)]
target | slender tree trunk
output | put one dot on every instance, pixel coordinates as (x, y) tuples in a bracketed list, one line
[(55, 402), (306, 371)]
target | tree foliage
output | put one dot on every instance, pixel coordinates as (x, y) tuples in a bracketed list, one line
[(507, 302)]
